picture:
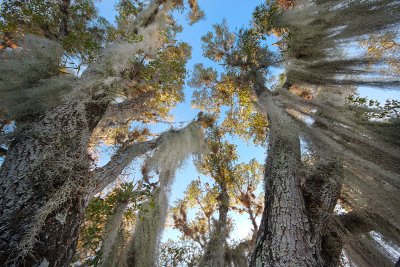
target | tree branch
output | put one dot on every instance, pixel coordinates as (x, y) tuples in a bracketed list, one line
[(149, 15), (133, 109), (355, 223), (64, 10), (253, 220), (122, 158), (361, 222)]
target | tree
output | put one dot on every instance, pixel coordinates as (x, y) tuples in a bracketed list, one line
[(47, 173), (233, 190), (75, 24), (299, 226), (325, 144)]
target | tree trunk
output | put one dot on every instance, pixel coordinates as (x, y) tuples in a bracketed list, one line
[(293, 230), (215, 251), (285, 236), (44, 185)]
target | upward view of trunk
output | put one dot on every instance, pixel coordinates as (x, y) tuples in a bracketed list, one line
[(43, 186), (293, 230), (284, 236), (214, 254)]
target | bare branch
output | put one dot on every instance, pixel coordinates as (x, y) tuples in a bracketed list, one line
[(122, 158), (148, 16), (133, 109)]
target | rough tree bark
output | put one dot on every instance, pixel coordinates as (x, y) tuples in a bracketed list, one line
[(285, 234), (47, 181), (293, 230), (47, 161)]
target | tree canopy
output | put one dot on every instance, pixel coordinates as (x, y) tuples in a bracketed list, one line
[(89, 166)]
